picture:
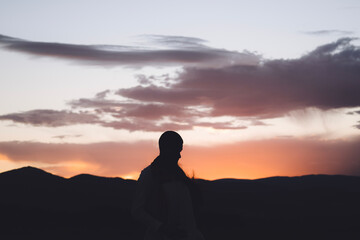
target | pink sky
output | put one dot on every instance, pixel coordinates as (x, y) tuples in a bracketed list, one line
[(255, 93)]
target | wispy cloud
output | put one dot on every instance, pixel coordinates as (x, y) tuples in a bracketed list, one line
[(175, 51), (50, 118), (67, 136), (329, 32)]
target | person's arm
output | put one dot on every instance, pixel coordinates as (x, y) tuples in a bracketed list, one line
[(142, 194)]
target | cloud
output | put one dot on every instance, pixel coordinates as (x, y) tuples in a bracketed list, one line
[(251, 159), (50, 118), (256, 122), (151, 111), (353, 113), (326, 78), (221, 125), (141, 125), (176, 41), (329, 32), (179, 51), (67, 136), (135, 116), (102, 94), (129, 116)]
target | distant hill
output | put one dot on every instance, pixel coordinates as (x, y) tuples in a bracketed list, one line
[(39, 204)]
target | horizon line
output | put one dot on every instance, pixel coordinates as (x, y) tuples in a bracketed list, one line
[(226, 178)]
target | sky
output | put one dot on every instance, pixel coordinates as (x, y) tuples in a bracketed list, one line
[(255, 88)]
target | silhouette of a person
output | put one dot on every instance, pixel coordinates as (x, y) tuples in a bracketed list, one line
[(165, 196)]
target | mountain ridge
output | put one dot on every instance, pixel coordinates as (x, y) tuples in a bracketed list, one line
[(36, 202), (33, 170)]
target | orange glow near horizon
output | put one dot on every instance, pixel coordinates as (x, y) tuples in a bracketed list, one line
[(252, 160), (243, 160), (73, 168)]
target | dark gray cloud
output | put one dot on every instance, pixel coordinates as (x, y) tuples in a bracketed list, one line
[(120, 109), (180, 51), (154, 111), (128, 116), (134, 116), (329, 32), (151, 116), (325, 78), (50, 118)]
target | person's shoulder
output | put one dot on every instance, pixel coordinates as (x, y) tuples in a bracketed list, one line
[(146, 170), (146, 173)]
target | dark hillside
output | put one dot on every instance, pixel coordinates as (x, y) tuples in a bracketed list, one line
[(39, 204)]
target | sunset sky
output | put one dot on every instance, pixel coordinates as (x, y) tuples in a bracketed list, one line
[(255, 88)]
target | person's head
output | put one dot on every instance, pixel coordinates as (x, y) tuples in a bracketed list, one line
[(170, 145)]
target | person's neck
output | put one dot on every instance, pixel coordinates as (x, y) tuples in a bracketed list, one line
[(166, 162)]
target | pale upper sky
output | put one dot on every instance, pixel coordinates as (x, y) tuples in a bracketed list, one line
[(245, 30), (268, 27)]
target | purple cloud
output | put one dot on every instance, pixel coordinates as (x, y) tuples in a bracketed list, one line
[(179, 51), (326, 78), (50, 118)]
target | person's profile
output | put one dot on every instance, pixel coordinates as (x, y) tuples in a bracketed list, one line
[(165, 198)]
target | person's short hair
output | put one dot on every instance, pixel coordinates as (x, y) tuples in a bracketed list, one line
[(170, 141)]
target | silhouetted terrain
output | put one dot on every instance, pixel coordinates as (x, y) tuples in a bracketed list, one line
[(38, 204)]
